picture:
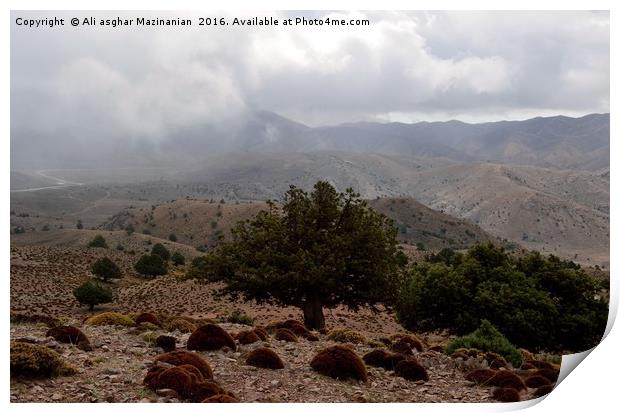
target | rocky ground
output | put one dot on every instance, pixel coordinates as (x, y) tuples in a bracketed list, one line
[(114, 370)]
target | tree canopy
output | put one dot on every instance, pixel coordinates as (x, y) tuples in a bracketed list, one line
[(104, 269), (535, 301), (316, 250)]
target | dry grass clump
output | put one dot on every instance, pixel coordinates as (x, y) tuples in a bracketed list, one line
[(413, 341), (265, 358), (284, 334), (71, 335), (411, 370), (339, 362), (506, 395), (148, 326), (482, 376), (383, 359), (180, 324), (526, 355), (180, 357), (210, 337), (148, 318), (346, 336), (167, 343), (504, 378), (247, 337), (33, 361), (543, 390), (536, 381), (110, 319)]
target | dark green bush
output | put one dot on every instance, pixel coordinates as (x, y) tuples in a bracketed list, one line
[(239, 318), (104, 269), (92, 293), (151, 265), (486, 338), (161, 251), (537, 302), (98, 242), (177, 258)]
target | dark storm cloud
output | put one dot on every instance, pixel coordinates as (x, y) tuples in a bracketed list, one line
[(81, 85)]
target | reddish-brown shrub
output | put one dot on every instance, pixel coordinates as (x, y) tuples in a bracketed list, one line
[(384, 359), (411, 370), (284, 334), (221, 398), (265, 358), (200, 391), (311, 337), (175, 378), (193, 371), (495, 361), (150, 380), (296, 327), (550, 374), (506, 395), (167, 343), (543, 390), (528, 366), (247, 337), (504, 378), (482, 376), (402, 347), (210, 337), (536, 381), (180, 357), (261, 333), (413, 341), (148, 318), (339, 362), (70, 334)]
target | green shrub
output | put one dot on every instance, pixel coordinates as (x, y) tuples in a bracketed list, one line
[(104, 269), (161, 251), (177, 258), (172, 237), (486, 338), (237, 317), (151, 266), (92, 293), (98, 242), (537, 302)]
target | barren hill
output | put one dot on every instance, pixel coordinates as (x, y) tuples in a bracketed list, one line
[(200, 222)]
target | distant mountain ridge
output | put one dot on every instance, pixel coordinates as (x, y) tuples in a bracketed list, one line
[(554, 142)]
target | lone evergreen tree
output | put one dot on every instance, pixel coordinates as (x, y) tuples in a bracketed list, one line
[(104, 269), (159, 249), (316, 251), (92, 293)]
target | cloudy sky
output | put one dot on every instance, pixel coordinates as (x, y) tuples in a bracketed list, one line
[(407, 66)]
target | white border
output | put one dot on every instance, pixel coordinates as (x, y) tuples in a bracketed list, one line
[(591, 387)]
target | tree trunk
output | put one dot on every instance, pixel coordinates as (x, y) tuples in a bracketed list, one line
[(313, 313)]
